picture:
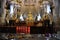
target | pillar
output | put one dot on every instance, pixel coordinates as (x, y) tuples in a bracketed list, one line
[(3, 11)]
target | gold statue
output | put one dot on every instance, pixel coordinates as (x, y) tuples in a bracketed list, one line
[(30, 16), (30, 19)]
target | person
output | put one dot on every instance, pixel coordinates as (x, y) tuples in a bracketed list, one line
[(51, 25), (46, 24), (51, 21)]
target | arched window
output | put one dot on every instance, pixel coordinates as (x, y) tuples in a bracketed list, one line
[(48, 8), (21, 18), (11, 9), (38, 17)]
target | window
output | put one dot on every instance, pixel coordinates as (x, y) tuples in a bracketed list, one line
[(21, 18), (48, 9), (11, 9), (38, 17)]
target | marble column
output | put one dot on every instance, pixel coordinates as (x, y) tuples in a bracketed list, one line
[(3, 11), (55, 10)]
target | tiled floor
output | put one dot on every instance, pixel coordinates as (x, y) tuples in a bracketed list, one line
[(35, 37)]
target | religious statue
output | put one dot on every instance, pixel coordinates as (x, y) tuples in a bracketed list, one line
[(30, 19)]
